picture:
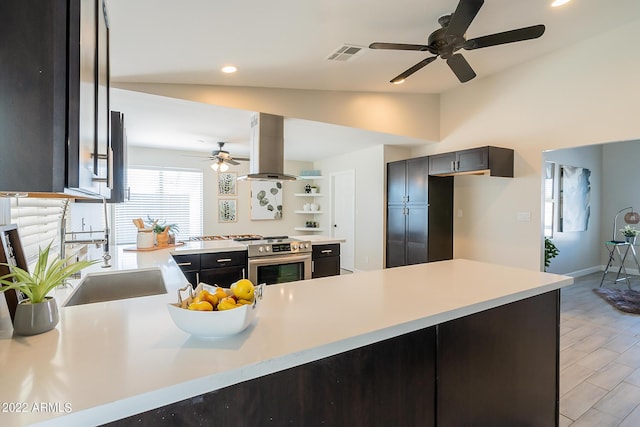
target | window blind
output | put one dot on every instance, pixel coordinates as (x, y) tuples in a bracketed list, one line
[(38, 223), (173, 196)]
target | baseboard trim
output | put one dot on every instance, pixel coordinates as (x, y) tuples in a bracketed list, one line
[(599, 268), (584, 272)]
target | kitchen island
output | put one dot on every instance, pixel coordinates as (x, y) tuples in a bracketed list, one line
[(112, 360)]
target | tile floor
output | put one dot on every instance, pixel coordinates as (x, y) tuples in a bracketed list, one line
[(599, 358)]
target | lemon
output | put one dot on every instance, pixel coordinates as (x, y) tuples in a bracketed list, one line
[(243, 289), (200, 306)]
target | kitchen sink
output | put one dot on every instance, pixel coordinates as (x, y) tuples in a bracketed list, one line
[(100, 287)]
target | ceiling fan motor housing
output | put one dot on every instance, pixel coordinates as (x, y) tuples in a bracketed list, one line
[(446, 41)]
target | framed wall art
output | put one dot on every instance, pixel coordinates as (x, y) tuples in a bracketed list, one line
[(227, 183), (549, 197), (266, 200), (575, 198), (227, 210)]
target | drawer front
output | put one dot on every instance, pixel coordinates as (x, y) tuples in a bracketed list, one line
[(320, 251), (223, 259), (188, 262), (223, 277)]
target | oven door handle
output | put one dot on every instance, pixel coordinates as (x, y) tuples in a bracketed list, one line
[(271, 260)]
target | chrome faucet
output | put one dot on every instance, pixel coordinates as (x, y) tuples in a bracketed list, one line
[(106, 256)]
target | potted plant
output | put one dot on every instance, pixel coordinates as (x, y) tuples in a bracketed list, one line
[(165, 233), (550, 252), (630, 233), (38, 313)]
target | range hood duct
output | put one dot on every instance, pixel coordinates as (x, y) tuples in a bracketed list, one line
[(266, 158)]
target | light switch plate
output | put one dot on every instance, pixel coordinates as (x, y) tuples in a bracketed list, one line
[(523, 216)]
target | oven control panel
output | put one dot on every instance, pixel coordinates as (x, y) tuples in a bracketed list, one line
[(278, 248)]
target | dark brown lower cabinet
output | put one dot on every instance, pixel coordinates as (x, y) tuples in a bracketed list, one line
[(494, 368), (220, 268), (326, 260)]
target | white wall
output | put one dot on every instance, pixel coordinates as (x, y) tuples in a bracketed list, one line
[(583, 95), (412, 115), (139, 156), (621, 184), (369, 167), (580, 251)]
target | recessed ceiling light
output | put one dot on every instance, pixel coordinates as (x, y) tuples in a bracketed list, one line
[(228, 69), (557, 3)]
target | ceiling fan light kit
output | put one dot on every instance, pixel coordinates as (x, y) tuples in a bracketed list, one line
[(222, 159), (446, 41), (220, 166)]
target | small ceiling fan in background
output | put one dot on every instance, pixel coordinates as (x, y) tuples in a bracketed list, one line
[(445, 41), (222, 159)]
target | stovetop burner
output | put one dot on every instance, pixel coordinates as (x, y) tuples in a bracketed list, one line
[(237, 237)]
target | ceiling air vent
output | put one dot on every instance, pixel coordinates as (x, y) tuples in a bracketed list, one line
[(345, 52)]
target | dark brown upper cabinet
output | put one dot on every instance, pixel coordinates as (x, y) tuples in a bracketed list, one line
[(494, 161), (54, 108)]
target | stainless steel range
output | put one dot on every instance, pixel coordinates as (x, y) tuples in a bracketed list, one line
[(279, 259)]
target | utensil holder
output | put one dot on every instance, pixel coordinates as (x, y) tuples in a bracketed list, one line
[(145, 238)]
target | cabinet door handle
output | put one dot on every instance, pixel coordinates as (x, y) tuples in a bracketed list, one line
[(224, 260), (458, 165), (110, 168), (326, 251), (453, 165), (183, 264), (109, 178), (244, 275)]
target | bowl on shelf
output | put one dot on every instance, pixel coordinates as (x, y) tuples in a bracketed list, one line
[(216, 324)]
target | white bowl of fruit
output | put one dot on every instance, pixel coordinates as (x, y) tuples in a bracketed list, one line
[(214, 312)]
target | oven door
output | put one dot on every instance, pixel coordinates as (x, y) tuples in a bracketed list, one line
[(280, 269)]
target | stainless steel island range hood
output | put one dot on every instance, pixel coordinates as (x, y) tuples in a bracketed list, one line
[(266, 158)]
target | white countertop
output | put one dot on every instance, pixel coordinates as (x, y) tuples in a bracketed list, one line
[(212, 246), (110, 360)]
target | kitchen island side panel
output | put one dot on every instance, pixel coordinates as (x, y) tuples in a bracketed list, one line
[(498, 367), (391, 382)]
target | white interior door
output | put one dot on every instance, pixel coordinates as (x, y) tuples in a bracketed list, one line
[(343, 215)]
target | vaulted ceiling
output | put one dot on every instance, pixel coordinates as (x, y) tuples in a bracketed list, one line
[(285, 44)]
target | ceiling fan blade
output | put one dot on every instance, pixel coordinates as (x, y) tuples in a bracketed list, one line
[(231, 161), (461, 68), (399, 46), (241, 159), (408, 72), (463, 16), (520, 34)]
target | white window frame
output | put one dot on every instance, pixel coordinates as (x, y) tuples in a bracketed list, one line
[(171, 195)]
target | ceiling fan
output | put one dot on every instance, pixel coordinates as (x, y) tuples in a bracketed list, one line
[(222, 159), (446, 41)]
